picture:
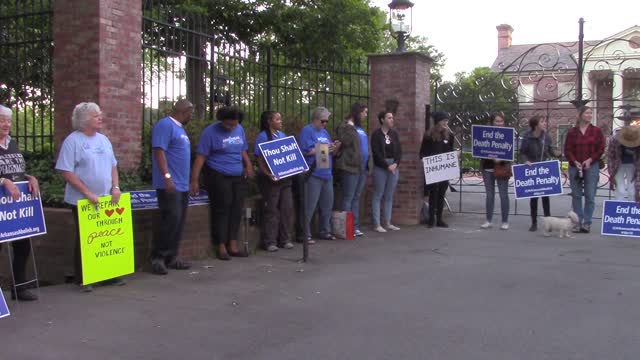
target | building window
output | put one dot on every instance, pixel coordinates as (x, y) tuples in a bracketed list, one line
[(566, 92), (632, 93), (562, 134), (526, 94)]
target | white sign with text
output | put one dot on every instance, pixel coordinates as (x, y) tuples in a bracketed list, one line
[(441, 167)]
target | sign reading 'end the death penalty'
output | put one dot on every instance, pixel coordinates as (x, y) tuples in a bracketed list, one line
[(284, 158), (621, 218), (20, 218), (538, 179), (492, 142), (441, 167), (106, 239)]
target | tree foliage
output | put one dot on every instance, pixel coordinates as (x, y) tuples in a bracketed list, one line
[(477, 93)]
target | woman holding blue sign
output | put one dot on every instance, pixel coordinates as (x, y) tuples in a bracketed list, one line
[(277, 196), (89, 167), (535, 147), (352, 161), (318, 149), (222, 152), (437, 140), (12, 169), (583, 147), (496, 171)]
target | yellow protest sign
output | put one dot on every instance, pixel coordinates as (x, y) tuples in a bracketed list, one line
[(106, 239)]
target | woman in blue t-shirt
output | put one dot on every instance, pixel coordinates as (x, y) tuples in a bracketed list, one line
[(222, 151), (319, 186), (277, 196)]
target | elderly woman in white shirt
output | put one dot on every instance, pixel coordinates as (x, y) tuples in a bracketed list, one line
[(88, 165)]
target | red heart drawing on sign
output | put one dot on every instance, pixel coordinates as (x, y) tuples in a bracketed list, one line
[(120, 211), (109, 212)]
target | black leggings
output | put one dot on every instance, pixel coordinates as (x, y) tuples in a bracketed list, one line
[(437, 192), (533, 205), (226, 201)]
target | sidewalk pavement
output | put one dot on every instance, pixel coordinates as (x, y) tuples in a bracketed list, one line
[(457, 293)]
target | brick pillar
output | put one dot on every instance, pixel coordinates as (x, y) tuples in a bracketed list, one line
[(97, 57), (403, 80)]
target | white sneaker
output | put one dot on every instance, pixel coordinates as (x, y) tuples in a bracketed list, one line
[(504, 226), (486, 225), (392, 227), (359, 233), (380, 229)]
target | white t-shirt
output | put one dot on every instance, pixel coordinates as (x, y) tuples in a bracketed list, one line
[(91, 158)]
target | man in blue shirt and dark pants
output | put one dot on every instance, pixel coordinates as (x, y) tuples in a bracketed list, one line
[(171, 169)]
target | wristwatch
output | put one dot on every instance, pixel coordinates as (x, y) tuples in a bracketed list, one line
[(167, 176)]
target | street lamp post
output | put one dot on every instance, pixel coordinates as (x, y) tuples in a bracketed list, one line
[(400, 18)]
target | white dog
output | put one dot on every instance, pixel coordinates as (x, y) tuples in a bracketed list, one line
[(563, 225)]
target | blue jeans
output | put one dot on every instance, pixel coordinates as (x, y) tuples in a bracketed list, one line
[(352, 186), (319, 194), (490, 188), (384, 186), (588, 187)]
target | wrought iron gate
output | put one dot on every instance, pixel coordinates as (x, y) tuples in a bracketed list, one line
[(550, 80)]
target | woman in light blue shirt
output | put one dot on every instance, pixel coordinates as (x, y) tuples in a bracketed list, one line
[(89, 167)]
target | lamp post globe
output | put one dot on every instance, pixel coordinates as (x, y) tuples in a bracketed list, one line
[(400, 20)]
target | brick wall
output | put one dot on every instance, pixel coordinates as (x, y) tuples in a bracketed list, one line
[(403, 78), (97, 57), (54, 251)]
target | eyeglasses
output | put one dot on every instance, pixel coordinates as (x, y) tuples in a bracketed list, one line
[(324, 121), (5, 120)]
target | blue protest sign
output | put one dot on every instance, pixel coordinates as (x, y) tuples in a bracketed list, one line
[(148, 199), (538, 179), (20, 218), (283, 156), (492, 142), (4, 309), (621, 218)]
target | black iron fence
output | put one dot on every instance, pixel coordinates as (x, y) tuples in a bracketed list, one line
[(183, 58), (26, 48)]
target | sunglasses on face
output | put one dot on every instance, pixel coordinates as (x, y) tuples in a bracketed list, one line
[(324, 121)]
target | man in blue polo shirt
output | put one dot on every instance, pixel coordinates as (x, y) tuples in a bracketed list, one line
[(171, 169)]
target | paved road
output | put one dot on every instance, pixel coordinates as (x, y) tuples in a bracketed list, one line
[(460, 293)]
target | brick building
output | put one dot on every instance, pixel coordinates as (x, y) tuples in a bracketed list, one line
[(546, 76)]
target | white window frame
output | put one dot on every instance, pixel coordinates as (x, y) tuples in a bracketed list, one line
[(526, 94), (562, 129), (566, 91)]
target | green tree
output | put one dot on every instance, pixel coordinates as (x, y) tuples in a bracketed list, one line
[(472, 97)]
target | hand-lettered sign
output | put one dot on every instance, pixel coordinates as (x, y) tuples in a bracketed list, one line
[(106, 239)]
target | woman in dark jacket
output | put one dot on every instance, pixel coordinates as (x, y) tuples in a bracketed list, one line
[(386, 152), (437, 140), (536, 146), (351, 161)]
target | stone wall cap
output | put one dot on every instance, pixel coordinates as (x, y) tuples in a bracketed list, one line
[(403, 54)]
